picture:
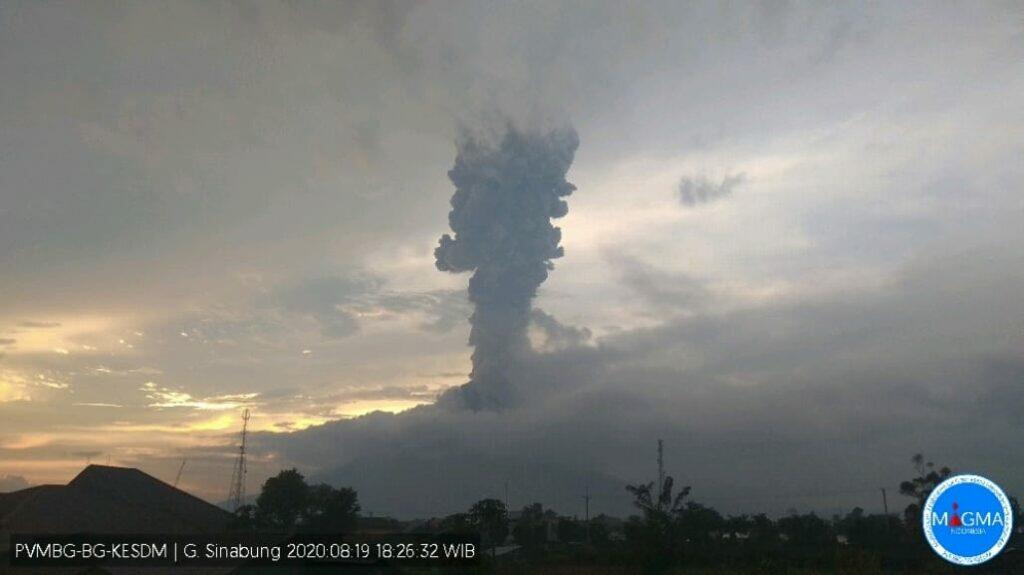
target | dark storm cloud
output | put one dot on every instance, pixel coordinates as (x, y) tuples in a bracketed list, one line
[(153, 153), (506, 195), (421, 392), (558, 335), (324, 299), (328, 403), (659, 290), (442, 310), (753, 403), (279, 393), (698, 190), (337, 302), (325, 116)]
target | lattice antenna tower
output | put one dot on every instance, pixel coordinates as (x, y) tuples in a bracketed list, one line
[(236, 495)]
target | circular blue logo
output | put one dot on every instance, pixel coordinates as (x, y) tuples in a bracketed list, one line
[(967, 519)]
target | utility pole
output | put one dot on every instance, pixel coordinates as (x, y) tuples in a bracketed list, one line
[(177, 477), (661, 470), (885, 506), (236, 494), (586, 515)]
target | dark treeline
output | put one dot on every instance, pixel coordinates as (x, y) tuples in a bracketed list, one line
[(674, 534), (670, 534), (287, 503)]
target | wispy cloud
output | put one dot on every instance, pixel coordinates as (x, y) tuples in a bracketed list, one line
[(694, 191), (163, 397)]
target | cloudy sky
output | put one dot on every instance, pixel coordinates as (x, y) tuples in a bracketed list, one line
[(795, 251)]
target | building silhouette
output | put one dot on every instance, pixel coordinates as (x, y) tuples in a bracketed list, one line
[(106, 500)]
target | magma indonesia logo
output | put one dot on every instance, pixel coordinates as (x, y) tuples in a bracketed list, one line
[(967, 519)]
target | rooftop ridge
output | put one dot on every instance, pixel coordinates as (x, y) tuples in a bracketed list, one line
[(95, 470), (104, 498)]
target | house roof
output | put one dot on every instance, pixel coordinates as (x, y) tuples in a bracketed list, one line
[(8, 501), (104, 499)]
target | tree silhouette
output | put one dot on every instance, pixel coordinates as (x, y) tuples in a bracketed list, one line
[(697, 524), (530, 531), (331, 510), (654, 537), (283, 500), (490, 518), (457, 523), (652, 504), (806, 531), (928, 477), (668, 535), (286, 502)]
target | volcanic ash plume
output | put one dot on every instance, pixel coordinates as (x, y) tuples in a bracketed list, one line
[(506, 195)]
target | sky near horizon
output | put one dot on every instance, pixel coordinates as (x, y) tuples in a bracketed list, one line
[(793, 220)]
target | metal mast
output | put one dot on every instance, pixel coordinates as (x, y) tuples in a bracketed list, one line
[(236, 495), (177, 477), (661, 469), (586, 499)]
